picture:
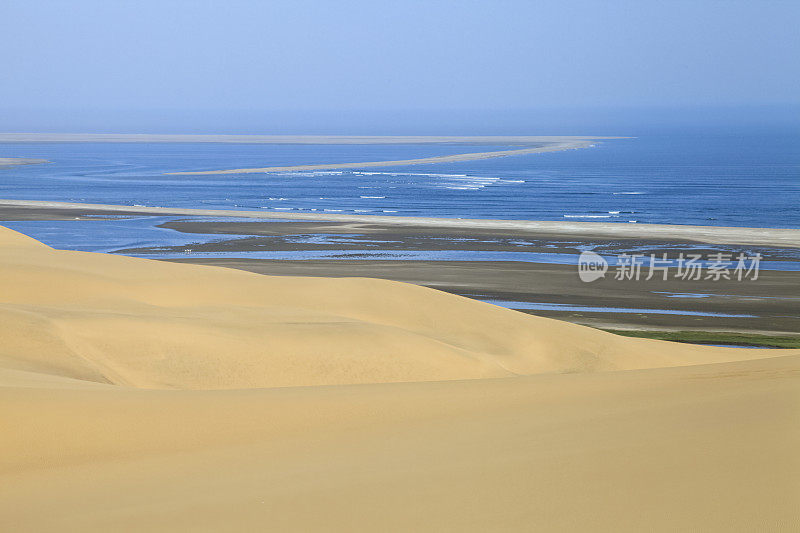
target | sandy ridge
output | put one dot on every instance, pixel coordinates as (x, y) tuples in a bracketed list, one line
[(13, 161), (364, 405), (474, 156), (151, 324), (541, 144)]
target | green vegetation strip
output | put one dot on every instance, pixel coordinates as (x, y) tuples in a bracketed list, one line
[(714, 337)]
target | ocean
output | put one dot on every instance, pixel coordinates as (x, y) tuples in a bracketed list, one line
[(715, 180), (719, 180)]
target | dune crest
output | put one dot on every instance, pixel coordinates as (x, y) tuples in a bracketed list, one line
[(151, 324), (93, 442)]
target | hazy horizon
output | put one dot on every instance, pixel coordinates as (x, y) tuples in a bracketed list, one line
[(559, 121), (358, 67)]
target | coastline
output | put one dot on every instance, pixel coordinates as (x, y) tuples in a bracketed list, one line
[(778, 237), (531, 271)]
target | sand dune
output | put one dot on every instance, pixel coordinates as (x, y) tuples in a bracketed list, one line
[(144, 323), (362, 405)]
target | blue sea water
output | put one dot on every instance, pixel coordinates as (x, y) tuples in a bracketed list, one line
[(723, 179)]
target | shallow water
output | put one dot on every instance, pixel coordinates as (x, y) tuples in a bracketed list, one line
[(543, 306), (141, 237)]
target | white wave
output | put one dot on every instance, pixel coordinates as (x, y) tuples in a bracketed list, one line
[(587, 216), (440, 175), (475, 179), (614, 212), (389, 211), (321, 173), (633, 192), (422, 174), (467, 183), (373, 197)]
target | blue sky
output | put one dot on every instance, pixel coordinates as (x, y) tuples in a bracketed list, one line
[(349, 66)]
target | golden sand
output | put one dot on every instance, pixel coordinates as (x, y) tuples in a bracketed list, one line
[(137, 395)]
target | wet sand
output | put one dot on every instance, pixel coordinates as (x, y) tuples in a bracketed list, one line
[(283, 235), (39, 213), (706, 234), (772, 299)]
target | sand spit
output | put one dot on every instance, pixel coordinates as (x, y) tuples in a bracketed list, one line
[(535, 144), (398, 408), (705, 234), (474, 156), (14, 161)]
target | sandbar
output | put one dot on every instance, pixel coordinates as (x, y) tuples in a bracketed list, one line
[(14, 161), (705, 234)]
